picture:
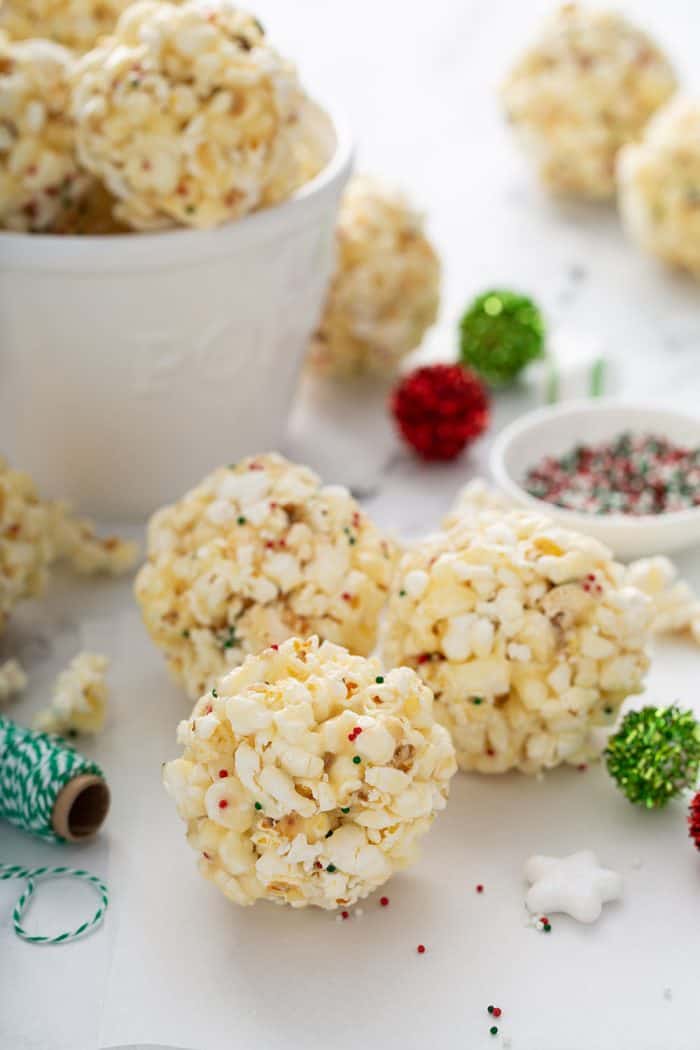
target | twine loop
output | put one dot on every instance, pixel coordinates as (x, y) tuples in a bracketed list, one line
[(31, 875)]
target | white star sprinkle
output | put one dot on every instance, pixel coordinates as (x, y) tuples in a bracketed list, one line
[(575, 885)]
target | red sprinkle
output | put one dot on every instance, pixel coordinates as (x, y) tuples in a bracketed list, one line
[(345, 914), (383, 901), (223, 773), (497, 1011), (275, 647), (421, 949), (479, 888), (223, 804)]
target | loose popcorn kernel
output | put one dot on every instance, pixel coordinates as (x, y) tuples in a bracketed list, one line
[(522, 659), (189, 117), (13, 680), (386, 289), (79, 703), (76, 24), (659, 186), (675, 605), (587, 86), (214, 590), (327, 832), (40, 178)]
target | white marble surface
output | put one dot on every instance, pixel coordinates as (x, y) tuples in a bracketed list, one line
[(175, 964)]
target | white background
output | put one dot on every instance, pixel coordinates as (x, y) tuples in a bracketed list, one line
[(176, 964)]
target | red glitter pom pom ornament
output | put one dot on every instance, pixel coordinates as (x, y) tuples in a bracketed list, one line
[(439, 409), (694, 820)]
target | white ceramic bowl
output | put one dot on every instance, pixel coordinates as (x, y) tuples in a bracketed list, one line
[(556, 429), (132, 365)]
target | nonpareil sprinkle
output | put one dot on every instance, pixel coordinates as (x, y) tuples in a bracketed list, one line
[(631, 474)]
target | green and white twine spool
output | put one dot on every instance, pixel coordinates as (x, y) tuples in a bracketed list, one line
[(50, 790), (34, 770)]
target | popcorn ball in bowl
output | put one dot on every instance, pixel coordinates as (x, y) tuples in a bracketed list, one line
[(40, 178), (385, 291), (659, 186), (308, 775), (74, 23), (189, 116), (525, 632), (587, 86), (256, 553)]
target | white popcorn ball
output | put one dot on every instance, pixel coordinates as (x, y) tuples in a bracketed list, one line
[(40, 178), (34, 534), (308, 775), (525, 632), (74, 23), (189, 117), (26, 548), (79, 703), (585, 88), (659, 186), (256, 553), (385, 291)]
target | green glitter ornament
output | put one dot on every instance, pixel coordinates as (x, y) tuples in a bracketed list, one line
[(500, 333), (655, 754)]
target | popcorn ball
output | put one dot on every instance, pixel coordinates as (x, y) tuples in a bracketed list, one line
[(586, 87), (34, 534), (40, 179), (259, 552), (659, 186), (79, 703), (74, 23), (386, 289), (188, 116), (525, 632), (309, 775)]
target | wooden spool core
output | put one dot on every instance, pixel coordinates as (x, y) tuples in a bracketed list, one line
[(81, 808)]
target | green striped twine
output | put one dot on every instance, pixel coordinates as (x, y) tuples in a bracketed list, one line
[(14, 871), (34, 769)]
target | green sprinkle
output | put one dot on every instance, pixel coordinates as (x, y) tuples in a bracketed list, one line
[(402, 594), (329, 833), (379, 679), (258, 805), (241, 520), (345, 809), (490, 1009), (493, 1030), (214, 692), (357, 760), (477, 700), (547, 927), (186, 632), (331, 868)]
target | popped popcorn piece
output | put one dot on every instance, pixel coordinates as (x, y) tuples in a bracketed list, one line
[(308, 775), (76, 541), (40, 178), (189, 117), (259, 552), (386, 289), (79, 703), (676, 607), (34, 534), (526, 633), (13, 680), (659, 186), (586, 86), (74, 23)]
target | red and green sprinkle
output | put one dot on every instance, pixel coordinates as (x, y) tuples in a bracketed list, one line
[(632, 474)]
